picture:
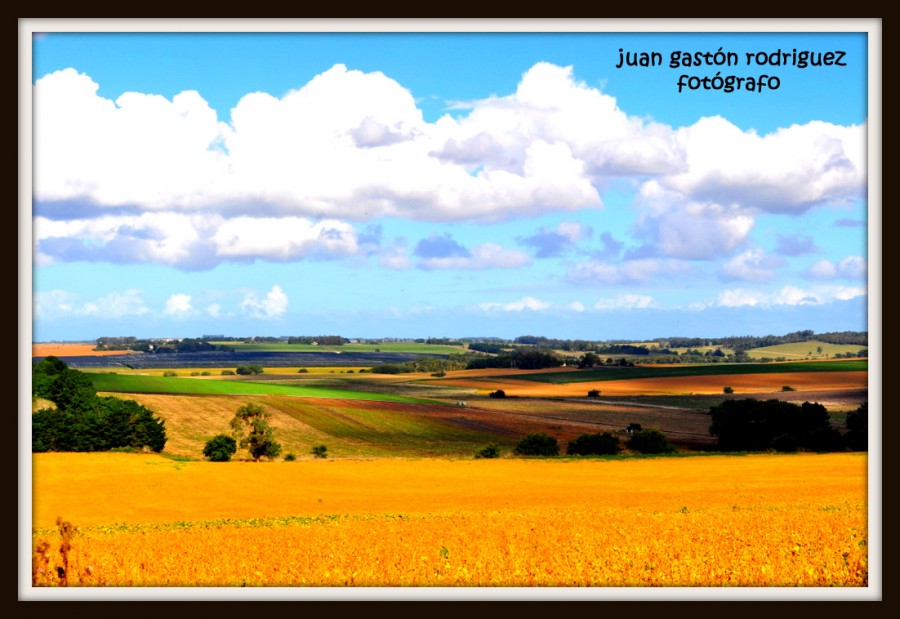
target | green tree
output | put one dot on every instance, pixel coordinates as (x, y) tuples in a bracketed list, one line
[(858, 428), (537, 445), (600, 444), (491, 451), (650, 442), (250, 428), (220, 448), (320, 451)]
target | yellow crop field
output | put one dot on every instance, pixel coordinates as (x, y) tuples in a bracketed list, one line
[(792, 520)]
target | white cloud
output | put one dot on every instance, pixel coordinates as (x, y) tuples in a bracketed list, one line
[(283, 238), (178, 305), (282, 178), (786, 171), (486, 256), (640, 271), (214, 310), (851, 267), (272, 306), (61, 304), (626, 301), (526, 303), (576, 306), (192, 241), (752, 265), (787, 295)]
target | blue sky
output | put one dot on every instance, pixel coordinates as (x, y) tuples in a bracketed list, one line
[(445, 185)]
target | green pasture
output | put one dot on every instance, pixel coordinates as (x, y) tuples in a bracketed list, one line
[(620, 373), (124, 383)]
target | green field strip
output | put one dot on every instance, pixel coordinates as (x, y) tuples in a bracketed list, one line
[(122, 383), (633, 373)]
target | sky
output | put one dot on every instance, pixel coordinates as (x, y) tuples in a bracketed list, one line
[(449, 184)]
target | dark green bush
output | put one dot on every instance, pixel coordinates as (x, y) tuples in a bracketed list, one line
[(599, 444), (650, 442), (220, 448), (320, 451), (491, 451), (249, 369), (593, 393), (537, 445), (497, 394)]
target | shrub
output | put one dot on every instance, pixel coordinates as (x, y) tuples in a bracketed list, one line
[(788, 388), (227, 372), (497, 394), (593, 393), (302, 371), (599, 444), (491, 451), (204, 373), (537, 445), (220, 448), (290, 457), (249, 369), (170, 373), (320, 451), (727, 390), (650, 442), (195, 373)]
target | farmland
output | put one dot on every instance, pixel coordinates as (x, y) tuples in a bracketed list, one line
[(145, 520), (400, 499)]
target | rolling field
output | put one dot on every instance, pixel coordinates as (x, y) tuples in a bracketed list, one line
[(804, 350), (144, 520)]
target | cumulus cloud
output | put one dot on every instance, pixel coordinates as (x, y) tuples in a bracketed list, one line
[(752, 265), (851, 267), (166, 181), (191, 242), (550, 242), (625, 301), (178, 305), (787, 295), (272, 306), (787, 171), (526, 303)]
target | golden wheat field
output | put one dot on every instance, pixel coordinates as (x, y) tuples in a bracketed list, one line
[(139, 520)]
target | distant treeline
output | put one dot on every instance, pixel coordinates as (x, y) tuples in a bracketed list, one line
[(158, 346), (737, 343)]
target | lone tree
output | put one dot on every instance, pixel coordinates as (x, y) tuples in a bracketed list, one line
[(250, 428), (220, 448)]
